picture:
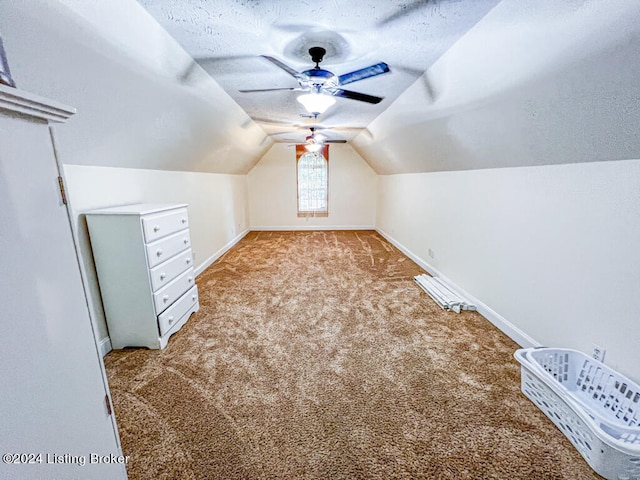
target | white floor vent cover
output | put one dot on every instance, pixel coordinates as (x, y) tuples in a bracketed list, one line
[(442, 294)]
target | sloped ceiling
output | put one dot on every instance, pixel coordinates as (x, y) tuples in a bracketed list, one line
[(480, 84), (536, 82), (474, 84), (122, 72), (227, 38)]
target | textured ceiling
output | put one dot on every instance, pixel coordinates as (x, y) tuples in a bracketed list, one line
[(227, 37)]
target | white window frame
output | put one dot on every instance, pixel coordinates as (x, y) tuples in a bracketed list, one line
[(307, 207)]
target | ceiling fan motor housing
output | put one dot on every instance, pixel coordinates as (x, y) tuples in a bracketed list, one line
[(317, 54), (316, 78)]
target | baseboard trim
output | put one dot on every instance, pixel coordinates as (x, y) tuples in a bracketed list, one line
[(504, 325), (311, 227), (105, 346), (207, 263)]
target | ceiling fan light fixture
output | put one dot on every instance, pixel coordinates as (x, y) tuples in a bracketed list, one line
[(316, 103), (313, 147)]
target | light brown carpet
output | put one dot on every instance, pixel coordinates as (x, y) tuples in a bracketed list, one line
[(315, 356)]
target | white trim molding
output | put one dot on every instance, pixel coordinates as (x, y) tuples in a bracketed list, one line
[(104, 346), (504, 325), (27, 103)]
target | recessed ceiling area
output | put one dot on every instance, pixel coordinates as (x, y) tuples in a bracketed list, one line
[(227, 38)]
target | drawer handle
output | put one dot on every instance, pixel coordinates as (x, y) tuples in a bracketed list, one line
[(184, 220), (163, 276), (188, 261), (186, 240), (159, 252), (156, 228), (171, 319), (193, 297), (190, 279), (165, 298)]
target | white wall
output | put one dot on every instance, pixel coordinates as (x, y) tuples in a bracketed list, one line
[(553, 249), (218, 211), (272, 191)]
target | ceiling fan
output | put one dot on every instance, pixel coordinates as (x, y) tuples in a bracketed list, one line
[(320, 81), (319, 138), (315, 141)]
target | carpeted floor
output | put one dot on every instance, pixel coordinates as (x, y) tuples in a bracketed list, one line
[(315, 356)]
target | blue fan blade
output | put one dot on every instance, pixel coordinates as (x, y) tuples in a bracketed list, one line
[(363, 97), (372, 71)]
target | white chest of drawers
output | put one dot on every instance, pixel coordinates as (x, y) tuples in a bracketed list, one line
[(145, 269)]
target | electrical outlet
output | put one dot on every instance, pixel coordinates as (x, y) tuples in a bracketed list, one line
[(598, 353), (432, 253)]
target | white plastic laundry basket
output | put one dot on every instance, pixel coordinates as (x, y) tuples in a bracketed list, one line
[(596, 407)]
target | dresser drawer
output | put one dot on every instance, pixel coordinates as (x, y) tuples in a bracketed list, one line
[(164, 297), (163, 224), (164, 249), (162, 274), (175, 312)]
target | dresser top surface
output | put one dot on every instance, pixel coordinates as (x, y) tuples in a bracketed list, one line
[(137, 209)]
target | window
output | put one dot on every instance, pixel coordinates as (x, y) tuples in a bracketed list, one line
[(312, 170)]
